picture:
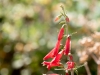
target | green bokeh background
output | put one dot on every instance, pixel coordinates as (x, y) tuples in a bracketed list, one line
[(28, 32)]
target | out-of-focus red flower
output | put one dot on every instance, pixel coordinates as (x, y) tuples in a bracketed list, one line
[(70, 65), (53, 52), (67, 45), (67, 74), (55, 61), (67, 19), (61, 33)]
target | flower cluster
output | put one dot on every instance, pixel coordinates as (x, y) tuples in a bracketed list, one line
[(90, 47), (56, 53)]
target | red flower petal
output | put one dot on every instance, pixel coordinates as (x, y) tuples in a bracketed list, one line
[(55, 64), (46, 63), (70, 65), (52, 65), (49, 55), (56, 48), (55, 61), (67, 45), (53, 52), (58, 57), (48, 66), (61, 33)]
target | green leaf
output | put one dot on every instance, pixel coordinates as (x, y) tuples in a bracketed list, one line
[(62, 22)]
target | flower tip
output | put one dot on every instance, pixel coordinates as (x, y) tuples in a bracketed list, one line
[(69, 54), (68, 36), (43, 63), (56, 19), (48, 67), (44, 58)]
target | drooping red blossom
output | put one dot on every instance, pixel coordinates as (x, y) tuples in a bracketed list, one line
[(53, 52), (49, 55), (67, 45), (61, 33), (67, 19), (45, 63), (70, 65), (53, 65), (56, 48), (50, 64), (55, 61), (58, 57)]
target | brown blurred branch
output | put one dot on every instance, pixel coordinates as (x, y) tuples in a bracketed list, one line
[(94, 58), (87, 68)]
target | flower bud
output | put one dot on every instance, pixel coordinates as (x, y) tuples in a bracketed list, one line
[(67, 19), (61, 33)]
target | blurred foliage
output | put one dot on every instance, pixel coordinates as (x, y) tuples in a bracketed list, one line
[(28, 31)]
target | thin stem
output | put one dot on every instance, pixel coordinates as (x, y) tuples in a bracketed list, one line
[(63, 10), (64, 14), (79, 66), (67, 29)]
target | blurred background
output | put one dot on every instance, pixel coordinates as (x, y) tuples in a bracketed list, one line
[(28, 32)]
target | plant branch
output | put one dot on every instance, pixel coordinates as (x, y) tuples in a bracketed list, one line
[(94, 58), (87, 68)]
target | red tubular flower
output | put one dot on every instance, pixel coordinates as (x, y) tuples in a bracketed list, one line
[(67, 45), (56, 48), (70, 65), (46, 63), (53, 65), (50, 64), (53, 52), (67, 19), (49, 55), (58, 57), (61, 33), (55, 61)]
